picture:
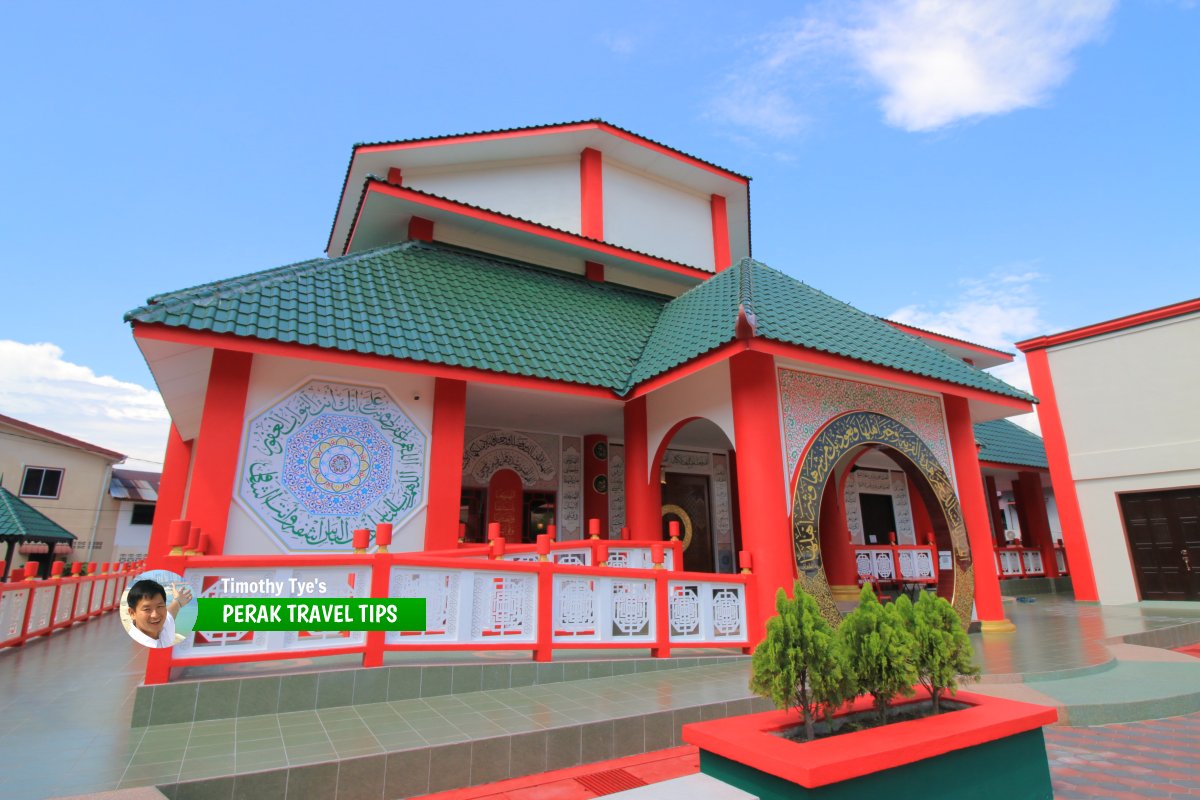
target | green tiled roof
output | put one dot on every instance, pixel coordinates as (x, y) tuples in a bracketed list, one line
[(1008, 443), (18, 519), (436, 303), (787, 310), (431, 303)]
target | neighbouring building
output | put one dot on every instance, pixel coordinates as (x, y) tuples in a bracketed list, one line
[(563, 323), (1122, 436), (63, 478), (129, 513)]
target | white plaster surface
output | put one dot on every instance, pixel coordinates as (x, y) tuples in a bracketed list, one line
[(541, 190), (653, 216), (702, 394)]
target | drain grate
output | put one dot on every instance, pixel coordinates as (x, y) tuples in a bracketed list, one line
[(610, 781)]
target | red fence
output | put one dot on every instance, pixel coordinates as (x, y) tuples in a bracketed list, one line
[(31, 607)]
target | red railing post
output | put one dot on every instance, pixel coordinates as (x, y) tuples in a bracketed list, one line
[(544, 648), (380, 579)]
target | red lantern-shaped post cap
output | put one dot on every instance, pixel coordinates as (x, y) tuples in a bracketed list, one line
[(497, 546), (31, 570), (594, 528), (383, 535), (552, 532), (745, 561), (77, 568), (493, 530), (361, 539), (193, 540), (657, 555), (177, 535), (543, 547), (56, 569), (673, 528), (602, 554)]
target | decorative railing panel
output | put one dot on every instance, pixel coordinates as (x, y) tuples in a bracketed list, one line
[(706, 611), (890, 564)]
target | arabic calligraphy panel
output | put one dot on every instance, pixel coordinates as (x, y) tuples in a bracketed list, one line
[(327, 459)]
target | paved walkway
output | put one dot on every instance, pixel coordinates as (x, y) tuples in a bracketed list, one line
[(66, 702)]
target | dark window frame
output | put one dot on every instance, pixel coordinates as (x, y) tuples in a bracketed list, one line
[(62, 475)]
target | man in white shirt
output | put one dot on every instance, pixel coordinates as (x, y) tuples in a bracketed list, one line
[(153, 620)]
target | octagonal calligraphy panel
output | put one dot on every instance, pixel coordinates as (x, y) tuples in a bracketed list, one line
[(329, 458)]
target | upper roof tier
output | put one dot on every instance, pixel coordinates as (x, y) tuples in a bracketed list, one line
[(576, 185)]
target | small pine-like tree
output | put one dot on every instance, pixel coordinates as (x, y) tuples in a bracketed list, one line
[(942, 652), (799, 664), (879, 651)]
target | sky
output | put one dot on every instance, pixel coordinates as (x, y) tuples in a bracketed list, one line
[(992, 170)]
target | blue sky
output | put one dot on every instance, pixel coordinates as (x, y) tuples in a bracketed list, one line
[(993, 170)]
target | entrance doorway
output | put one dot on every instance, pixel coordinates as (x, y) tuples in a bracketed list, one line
[(878, 517), (686, 501), (1163, 529)]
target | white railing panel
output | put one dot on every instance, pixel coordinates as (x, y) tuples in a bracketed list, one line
[(706, 611), (43, 604), (1033, 562), (442, 591), (628, 616), (576, 609), (12, 613), (66, 602), (504, 607)]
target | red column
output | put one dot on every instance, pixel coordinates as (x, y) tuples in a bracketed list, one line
[(171, 489), (766, 532), (446, 464), (591, 194), (1079, 558), (837, 554), (1034, 501), (974, 509), (216, 448), (720, 226), (595, 481), (643, 493)]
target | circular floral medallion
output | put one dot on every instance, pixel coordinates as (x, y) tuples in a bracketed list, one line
[(337, 464)]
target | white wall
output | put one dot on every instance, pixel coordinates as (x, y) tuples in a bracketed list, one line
[(271, 379), (130, 538), (1128, 406), (541, 190), (702, 394), (650, 215)]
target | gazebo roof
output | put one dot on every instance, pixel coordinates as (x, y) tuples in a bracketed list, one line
[(21, 521), (1005, 442)]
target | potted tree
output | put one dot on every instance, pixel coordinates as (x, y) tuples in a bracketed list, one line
[(882, 663)]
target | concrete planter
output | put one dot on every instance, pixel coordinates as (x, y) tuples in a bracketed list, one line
[(993, 748)]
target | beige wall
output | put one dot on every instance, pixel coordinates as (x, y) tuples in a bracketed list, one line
[(1128, 403), (84, 485)]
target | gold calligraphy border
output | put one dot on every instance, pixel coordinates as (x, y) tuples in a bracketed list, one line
[(837, 438)]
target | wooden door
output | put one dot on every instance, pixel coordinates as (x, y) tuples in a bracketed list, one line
[(1164, 539), (689, 494)]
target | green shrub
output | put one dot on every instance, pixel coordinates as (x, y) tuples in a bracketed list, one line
[(879, 651), (942, 652), (800, 663)]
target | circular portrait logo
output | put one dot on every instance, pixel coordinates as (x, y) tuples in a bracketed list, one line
[(157, 609)]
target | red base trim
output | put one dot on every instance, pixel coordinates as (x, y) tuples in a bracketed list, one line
[(750, 739)]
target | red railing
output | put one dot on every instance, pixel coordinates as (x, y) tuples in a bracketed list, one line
[(522, 594), (31, 607)]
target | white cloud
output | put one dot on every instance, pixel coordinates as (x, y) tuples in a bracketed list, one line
[(38, 386), (621, 44), (942, 61), (937, 62), (995, 311)]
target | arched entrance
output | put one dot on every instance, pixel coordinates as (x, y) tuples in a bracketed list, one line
[(844, 436), (697, 482)]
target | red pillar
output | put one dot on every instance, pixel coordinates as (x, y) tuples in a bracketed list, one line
[(766, 532), (720, 225), (595, 481), (1034, 501), (974, 509), (837, 554), (1079, 558), (216, 448), (446, 464), (643, 493), (171, 489), (591, 194)]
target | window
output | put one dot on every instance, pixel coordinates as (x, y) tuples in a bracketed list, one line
[(41, 482), (143, 514)]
